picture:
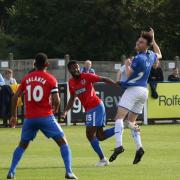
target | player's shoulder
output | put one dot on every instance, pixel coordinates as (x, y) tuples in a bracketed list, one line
[(136, 59), (49, 76), (84, 74), (143, 56), (137, 56), (27, 76), (87, 75), (152, 55), (150, 52), (140, 55)]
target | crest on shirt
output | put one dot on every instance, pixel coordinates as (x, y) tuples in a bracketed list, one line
[(83, 81)]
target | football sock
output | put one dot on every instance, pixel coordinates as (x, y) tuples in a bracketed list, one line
[(119, 126), (137, 138), (17, 155), (97, 148), (109, 133), (66, 155)]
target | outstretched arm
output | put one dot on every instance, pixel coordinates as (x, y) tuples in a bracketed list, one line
[(107, 80), (92, 78)]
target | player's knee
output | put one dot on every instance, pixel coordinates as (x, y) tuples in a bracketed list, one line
[(90, 136), (60, 141), (24, 145), (100, 137)]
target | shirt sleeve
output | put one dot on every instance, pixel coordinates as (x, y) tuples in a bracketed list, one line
[(134, 63), (71, 90), (54, 86), (93, 78)]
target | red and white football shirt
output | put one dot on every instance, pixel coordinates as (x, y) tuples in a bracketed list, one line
[(84, 90), (37, 87)]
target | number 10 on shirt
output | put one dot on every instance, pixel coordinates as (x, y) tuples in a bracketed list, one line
[(37, 93)]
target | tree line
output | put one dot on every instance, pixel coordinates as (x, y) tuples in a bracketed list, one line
[(95, 29)]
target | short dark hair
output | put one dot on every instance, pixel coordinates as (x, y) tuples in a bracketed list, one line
[(147, 36), (70, 63), (40, 60)]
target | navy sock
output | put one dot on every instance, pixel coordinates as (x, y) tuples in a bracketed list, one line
[(18, 153), (97, 148), (109, 133), (66, 155)]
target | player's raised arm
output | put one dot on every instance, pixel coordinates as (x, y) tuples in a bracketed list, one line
[(93, 78), (155, 46), (13, 119), (107, 80)]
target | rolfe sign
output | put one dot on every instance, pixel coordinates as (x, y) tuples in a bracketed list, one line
[(168, 103)]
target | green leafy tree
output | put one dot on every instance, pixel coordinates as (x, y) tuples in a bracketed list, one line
[(96, 29)]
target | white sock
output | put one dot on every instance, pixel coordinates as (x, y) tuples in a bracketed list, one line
[(119, 126), (137, 138)]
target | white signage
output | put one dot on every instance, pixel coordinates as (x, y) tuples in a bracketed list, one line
[(61, 62), (171, 65), (4, 64), (117, 66)]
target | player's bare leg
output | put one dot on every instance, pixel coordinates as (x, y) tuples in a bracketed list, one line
[(100, 134), (66, 155), (103, 134), (18, 153), (136, 136), (91, 133), (119, 126)]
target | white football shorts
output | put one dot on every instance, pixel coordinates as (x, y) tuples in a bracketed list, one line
[(134, 99)]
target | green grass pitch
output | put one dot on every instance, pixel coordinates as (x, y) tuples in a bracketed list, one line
[(42, 160)]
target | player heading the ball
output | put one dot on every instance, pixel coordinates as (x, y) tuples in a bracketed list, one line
[(136, 94)]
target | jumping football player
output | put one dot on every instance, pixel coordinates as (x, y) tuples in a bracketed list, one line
[(81, 86), (38, 87), (136, 94)]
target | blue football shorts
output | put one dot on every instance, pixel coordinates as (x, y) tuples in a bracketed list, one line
[(47, 125), (96, 116)]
